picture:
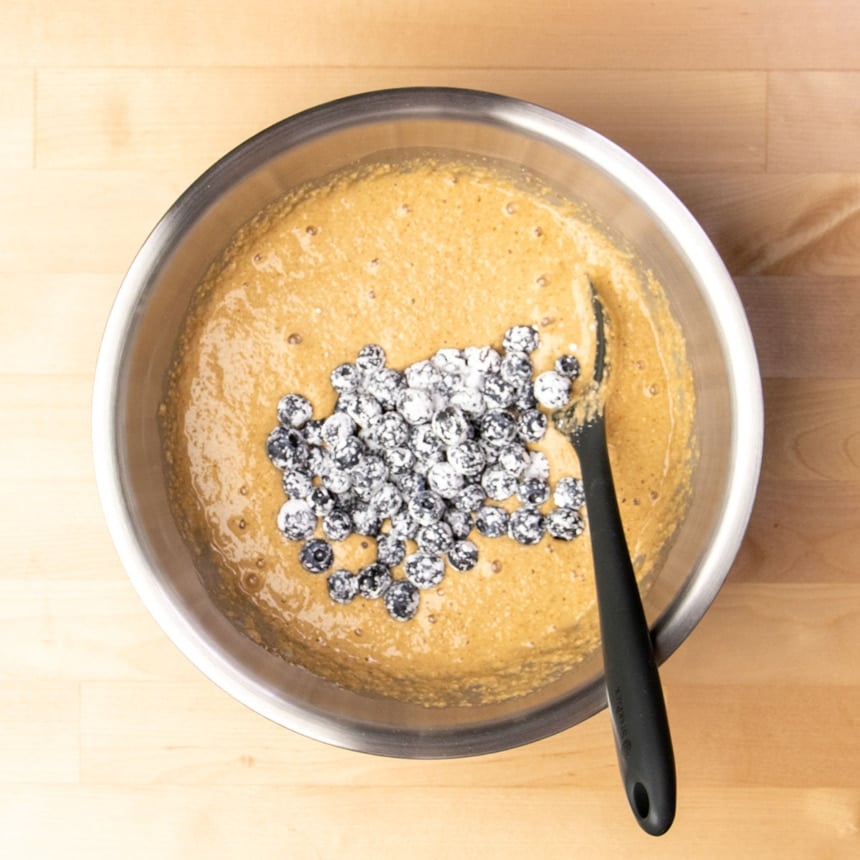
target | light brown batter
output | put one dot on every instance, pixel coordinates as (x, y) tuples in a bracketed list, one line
[(417, 257)]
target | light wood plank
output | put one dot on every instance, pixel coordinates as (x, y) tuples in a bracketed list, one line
[(813, 118), (774, 633), (58, 221), (184, 822), (17, 97), (730, 34), (804, 327), (192, 734), (801, 531), (57, 329), (79, 549), (39, 731), (811, 429), (118, 118), (47, 433), (62, 630), (779, 223)]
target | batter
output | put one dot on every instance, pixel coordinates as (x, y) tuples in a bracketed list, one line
[(417, 256)]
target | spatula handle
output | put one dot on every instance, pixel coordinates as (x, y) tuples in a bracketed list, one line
[(633, 687)]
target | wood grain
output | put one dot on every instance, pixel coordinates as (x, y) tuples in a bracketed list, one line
[(111, 743), (17, 127), (802, 326), (726, 736), (627, 34), (40, 722), (805, 223), (499, 821), (107, 117), (813, 112), (801, 531)]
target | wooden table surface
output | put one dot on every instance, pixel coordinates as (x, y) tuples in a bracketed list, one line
[(111, 743)]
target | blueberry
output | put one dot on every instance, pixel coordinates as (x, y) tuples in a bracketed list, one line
[(415, 405), (345, 377), (426, 507), (373, 580), (533, 491), (312, 431), (568, 365), (450, 426), (366, 522), (436, 538), (316, 457), (498, 394), (385, 385), (424, 570), (297, 483), (334, 477), (287, 448), (337, 428), (483, 359), (526, 525), (538, 466), (386, 500), (403, 526), (423, 465), (532, 425), (342, 586), (346, 401), (348, 501), (390, 430), (460, 523), (402, 600), (491, 452), (526, 399), (498, 484), (423, 375), (337, 524), (492, 521), (516, 369), (390, 550), (444, 479), (424, 442), (469, 400), (498, 427), (463, 555), (467, 458), (363, 409), (409, 483), (552, 390), (347, 453), (514, 458), (565, 523), (321, 501), (398, 459), (450, 361), (296, 520), (569, 493), (316, 555), (521, 338), (470, 499), (370, 358), (368, 475), (294, 410)]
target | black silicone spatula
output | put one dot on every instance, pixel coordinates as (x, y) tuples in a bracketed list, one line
[(633, 688)]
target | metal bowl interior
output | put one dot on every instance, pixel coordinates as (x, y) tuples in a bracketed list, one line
[(148, 313)]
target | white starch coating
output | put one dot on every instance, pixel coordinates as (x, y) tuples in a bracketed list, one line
[(421, 455)]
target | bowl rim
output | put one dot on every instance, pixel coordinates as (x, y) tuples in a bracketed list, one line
[(410, 103)]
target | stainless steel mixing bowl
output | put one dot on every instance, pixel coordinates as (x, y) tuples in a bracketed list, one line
[(143, 325)]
